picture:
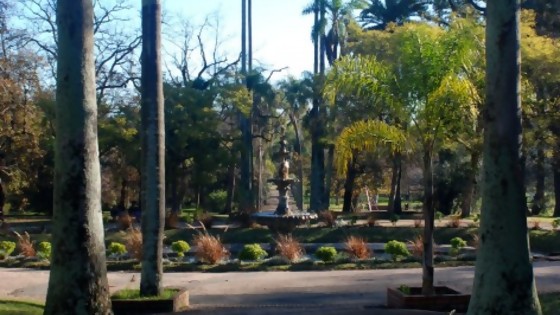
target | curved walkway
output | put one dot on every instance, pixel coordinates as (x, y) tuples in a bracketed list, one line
[(316, 292)]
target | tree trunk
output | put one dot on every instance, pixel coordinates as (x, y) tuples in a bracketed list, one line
[(328, 177), (78, 277), (153, 151), (300, 185), (539, 200), (394, 195), (124, 193), (556, 175), (504, 281), (349, 186), (467, 197), (316, 38), (250, 35), (244, 37), (428, 210), (230, 188), (246, 195)]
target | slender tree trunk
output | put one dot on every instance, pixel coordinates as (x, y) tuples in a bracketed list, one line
[(469, 189), (538, 199), (230, 188), (78, 277), (244, 37), (299, 197), (504, 281), (153, 151), (394, 195), (328, 177), (250, 34), (349, 185), (556, 174), (124, 192), (316, 38), (428, 210)]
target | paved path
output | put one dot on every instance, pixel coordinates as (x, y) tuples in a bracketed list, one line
[(316, 292)]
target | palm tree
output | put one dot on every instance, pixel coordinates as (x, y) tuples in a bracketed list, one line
[(380, 13), (78, 278), (153, 150)]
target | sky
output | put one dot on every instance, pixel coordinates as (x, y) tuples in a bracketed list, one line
[(281, 35)]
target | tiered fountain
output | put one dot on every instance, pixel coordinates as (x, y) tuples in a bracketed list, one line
[(283, 219)]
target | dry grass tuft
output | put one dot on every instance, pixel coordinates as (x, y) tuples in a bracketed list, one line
[(475, 240), (26, 245), (357, 247), (134, 243), (417, 245), (455, 221), (418, 223), (328, 218), (125, 221), (289, 248), (209, 248)]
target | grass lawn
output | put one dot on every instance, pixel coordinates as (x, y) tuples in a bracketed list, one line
[(134, 294), (9, 307), (550, 303)]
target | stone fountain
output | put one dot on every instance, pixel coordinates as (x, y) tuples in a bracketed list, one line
[(283, 219)]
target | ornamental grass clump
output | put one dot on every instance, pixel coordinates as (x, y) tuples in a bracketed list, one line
[(326, 253), (6, 249), (25, 245), (357, 247), (417, 245), (252, 252), (289, 248), (209, 248), (180, 247), (134, 243), (397, 250)]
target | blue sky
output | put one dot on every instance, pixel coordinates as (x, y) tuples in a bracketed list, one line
[(281, 35)]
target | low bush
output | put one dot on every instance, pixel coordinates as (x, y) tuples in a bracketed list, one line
[(456, 244), (439, 215), (172, 220), (556, 223), (117, 248), (205, 219), (252, 252), (289, 248), (216, 200), (455, 221), (417, 223), (6, 249), (44, 250), (371, 221), (326, 253), (397, 250), (125, 221), (357, 247), (328, 218), (209, 248), (134, 243), (180, 247), (394, 219)]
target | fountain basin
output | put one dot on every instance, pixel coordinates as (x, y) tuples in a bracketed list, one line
[(283, 223)]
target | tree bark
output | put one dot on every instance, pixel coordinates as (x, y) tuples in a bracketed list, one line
[(394, 205), (504, 281), (429, 216), (349, 186), (230, 188), (124, 192), (328, 177), (556, 173), (299, 197), (538, 199), (153, 151), (469, 189), (78, 277)]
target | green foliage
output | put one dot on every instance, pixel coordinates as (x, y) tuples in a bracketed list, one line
[(556, 223), (180, 247), (394, 219), (6, 249), (439, 215), (458, 242), (216, 200), (396, 249), (134, 294), (252, 252), (326, 253), (404, 289), (44, 250), (117, 248)]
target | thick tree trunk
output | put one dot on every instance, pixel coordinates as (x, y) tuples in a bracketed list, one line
[(299, 197), (556, 172), (504, 281), (153, 151), (124, 192), (468, 194), (78, 277), (230, 188), (246, 195), (538, 199), (349, 186), (328, 177), (429, 216), (317, 161), (394, 205), (316, 38)]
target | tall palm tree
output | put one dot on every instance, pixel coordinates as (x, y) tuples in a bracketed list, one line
[(153, 150), (78, 278), (380, 13)]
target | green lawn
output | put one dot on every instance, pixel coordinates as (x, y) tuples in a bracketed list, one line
[(134, 294), (8, 307), (550, 303)]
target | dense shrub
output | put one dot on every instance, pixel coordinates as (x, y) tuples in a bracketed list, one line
[(44, 250), (328, 218), (180, 247), (117, 248), (6, 249), (456, 244), (326, 253), (216, 200), (394, 219), (396, 249), (252, 252)]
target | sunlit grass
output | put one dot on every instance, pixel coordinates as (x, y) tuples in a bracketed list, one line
[(134, 294), (10, 307)]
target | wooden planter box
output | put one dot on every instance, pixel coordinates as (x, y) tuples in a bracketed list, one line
[(445, 299), (179, 302)]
